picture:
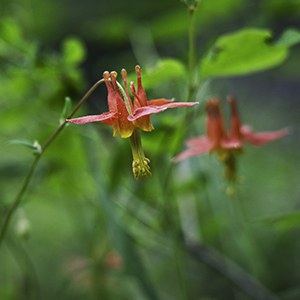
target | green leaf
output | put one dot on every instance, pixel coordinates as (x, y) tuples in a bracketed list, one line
[(37, 148), (12, 44), (10, 32), (285, 222), (289, 38), (163, 71), (242, 52), (73, 51), (66, 110)]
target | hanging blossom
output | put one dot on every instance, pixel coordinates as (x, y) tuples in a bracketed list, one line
[(226, 144), (127, 116)]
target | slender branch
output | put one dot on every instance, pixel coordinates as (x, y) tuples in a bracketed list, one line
[(27, 267), (34, 164), (226, 267), (191, 50), (18, 198), (77, 106)]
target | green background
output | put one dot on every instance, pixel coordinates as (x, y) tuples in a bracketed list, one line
[(86, 229)]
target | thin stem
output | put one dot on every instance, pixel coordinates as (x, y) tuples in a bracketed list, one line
[(25, 262), (33, 166), (18, 198), (191, 50), (77, 106)]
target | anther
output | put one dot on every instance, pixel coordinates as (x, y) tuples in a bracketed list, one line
[(113, 74), (106, 75), (138, 69), (124, 74)]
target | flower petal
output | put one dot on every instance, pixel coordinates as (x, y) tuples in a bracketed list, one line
[(196, 146), (192, 152), (125, 132), (141, 93), (261, 138), (231, 143), (106, 118), (159, 102), (144, 123), (198, 142), (125, 128), (145, 111), (123, 125), (149, 110)]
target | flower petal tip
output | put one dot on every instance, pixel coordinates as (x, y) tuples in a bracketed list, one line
[(104, 117)]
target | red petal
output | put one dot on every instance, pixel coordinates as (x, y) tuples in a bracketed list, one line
[(234, 120), (201, 141), (106, 117), (141, 93), (231, 143), (261, 138), (189, 153), (123, 125), (144, 123), (196, 146), (149, 110), (145, 111), (215, 129), (159, 102)]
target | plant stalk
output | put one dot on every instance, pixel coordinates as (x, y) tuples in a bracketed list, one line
[(191, 51), (34, 164)]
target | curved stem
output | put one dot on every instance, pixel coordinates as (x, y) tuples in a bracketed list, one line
[(34, 164), (77, 106)]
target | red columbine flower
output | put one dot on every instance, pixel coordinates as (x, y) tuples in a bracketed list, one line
[(126, 116), (226, 144), (118, 112)]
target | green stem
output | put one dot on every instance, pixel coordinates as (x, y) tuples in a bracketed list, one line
[(34, 164), (18, 198), (77, 106), (27, 267), (191, 51)]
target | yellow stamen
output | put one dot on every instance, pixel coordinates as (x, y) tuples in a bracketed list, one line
[(140, 164), (141, 167)]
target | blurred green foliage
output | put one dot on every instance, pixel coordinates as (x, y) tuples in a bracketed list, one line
[(86, 229), (229, 58)]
